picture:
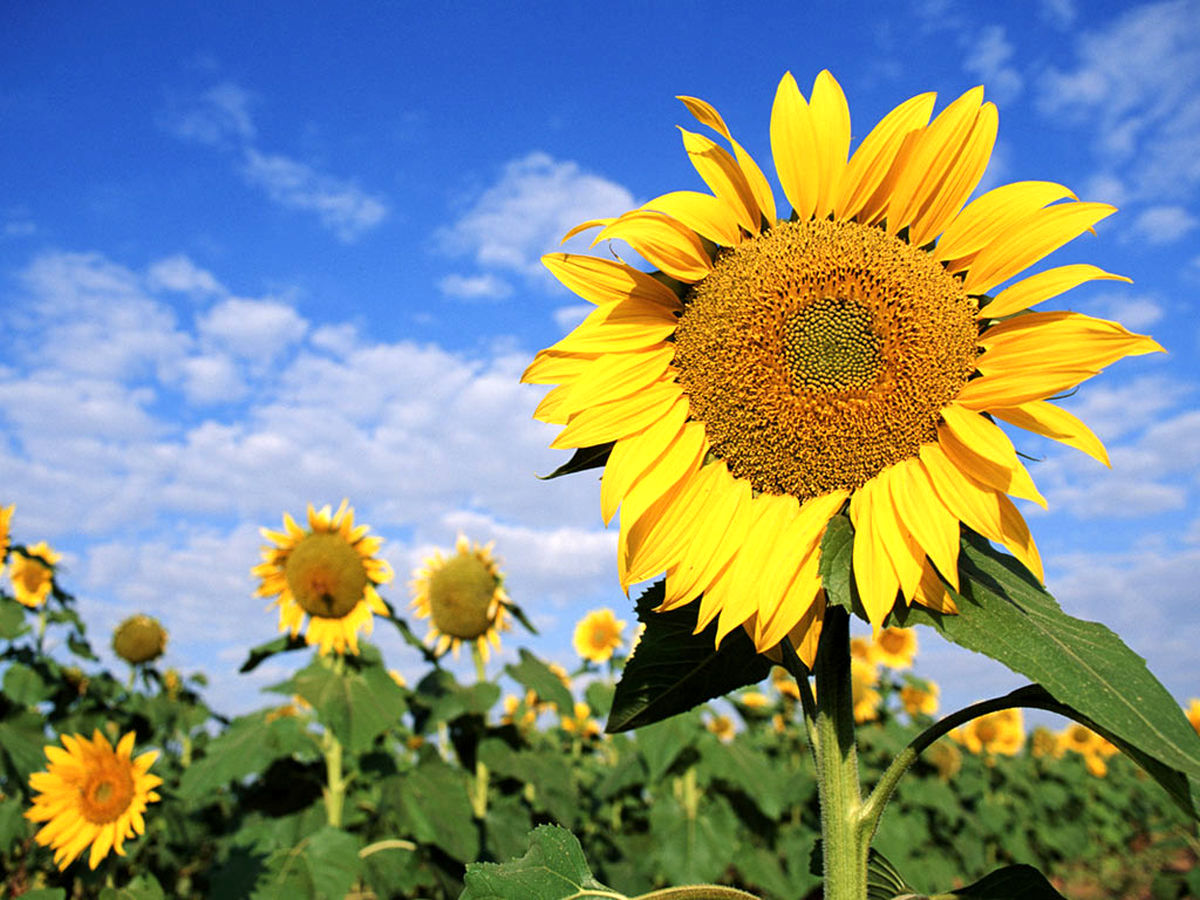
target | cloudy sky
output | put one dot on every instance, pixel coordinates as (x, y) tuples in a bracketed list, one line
[(256, 258)]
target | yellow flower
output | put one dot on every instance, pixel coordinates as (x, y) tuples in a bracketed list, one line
[(722, 727), (1093, 747), (582, 723), (463, 597), (1043, 743), (863, 678), (5, 519), (32, 574), (786, 364), (754, 700), (946, 758), (400, 680), (1193, 714), (139, 639), (999, 732), (895, 647), (296, 707), (91, 794), (784, 683), (920, 700), (528, 709), (561, 673), (860, 648), (328, 571), (598, 634)]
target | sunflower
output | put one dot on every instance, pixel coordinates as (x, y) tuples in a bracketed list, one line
[(918, 700), (32, 574), (329, 571), (463, 597), (1193, 713), (598, 634), (139, 639), (91, 794), (863, 679), (894, 647), (5, 519), (1000, 732), (779, 368)]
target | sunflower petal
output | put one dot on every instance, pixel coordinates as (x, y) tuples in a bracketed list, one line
[(926, 517), (989, 216), (705, 214), (631, 456), (664, 243), (1056, 423), (629, 324), (873, 571), (794, 147), (961, 180), (1042, 286), (983, 449), (724, 176), (601, 281), (872, 161), (617, 418), (831, 127)]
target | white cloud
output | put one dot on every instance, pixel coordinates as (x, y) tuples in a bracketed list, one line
[(1059, 13), (180, 274), (1137, 312), (488, 286), (1163, 224), (567, 317), (989, 55), (526, 213), (211, 379), (253, 329), (220, 115), (1113, 411)]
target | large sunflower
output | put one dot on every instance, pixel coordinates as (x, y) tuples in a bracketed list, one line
[(463, 598), (329, 571), (777, 370), (91, 794)]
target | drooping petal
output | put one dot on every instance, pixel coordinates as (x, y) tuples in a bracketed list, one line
[(873, 572), (601, 280), (665, 243), (1056, 423), (705, 214), (1042, 286), (706, 114), (926, 517), (981, 448)]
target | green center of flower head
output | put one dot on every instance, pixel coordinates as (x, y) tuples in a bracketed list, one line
[(326, 575), (461, 597), (820, 353), (829, 345), (139, 639)]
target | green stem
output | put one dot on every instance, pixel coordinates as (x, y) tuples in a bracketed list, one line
[(480, 665), (335, 783), (844, 847), (686, 892), (479, 794)]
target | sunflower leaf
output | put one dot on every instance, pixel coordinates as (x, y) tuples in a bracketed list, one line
[(535, 675), (673, 669), (263, 652), (837, 552), (581, 460), (1011, 881), (1082, 666), (323, 864), (553, 867)]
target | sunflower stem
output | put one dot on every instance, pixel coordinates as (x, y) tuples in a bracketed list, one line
[(844, 847), (335, 783), (480, 665)]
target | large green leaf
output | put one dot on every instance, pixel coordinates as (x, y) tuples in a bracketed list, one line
[(1005, 614), (246, 747), (541, 770), (1025, 882), (837, 547), (433, 806), (534, 674), (12, 619), (554, 867), (673, 669), (324, 864), (357, 703), (25, 686), (694, 849), (140, 887)]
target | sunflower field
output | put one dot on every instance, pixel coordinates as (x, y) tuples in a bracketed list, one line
[(796, 418)]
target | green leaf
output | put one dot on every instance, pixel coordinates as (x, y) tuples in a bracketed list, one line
[(673, 670), (883, 881), (356, 704), (12, 619), (519, 615), (553, 789), (1025, 882), (23, 741), (553, 868), (25, 686), (324, 864), (440, 698), (581, 460), (433, 806), (45, 894), (695, 849), (246, 747), (140, 887), (282, 644), (535, 675), (1084, 666), (662, 743), (837, 548)]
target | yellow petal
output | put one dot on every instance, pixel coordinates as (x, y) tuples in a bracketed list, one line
[(587, 226), (618, 418), (988, 217), (602, 280), (830, 116), (872, 161), (706, 115), (807, 632), (705, 214), (1040, 234), (656, 544), (1042, 286), (960, 181), (724, 177), (1015, 387), (983, 449), (903, 550), (926, 517), (1045, 339), (932, 160), (632, 455), (794, 146), (873, 571), (618, 375), (554, 367), (663, 242), (933, 594), (630, 324), (713, 540), (1056, 423)]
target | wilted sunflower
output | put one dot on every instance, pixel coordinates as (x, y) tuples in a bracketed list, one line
[(597, 635), (139, 639), (783, 366), (32, 574), (91, 794), (329, 571), (463, 597), (5, 520)]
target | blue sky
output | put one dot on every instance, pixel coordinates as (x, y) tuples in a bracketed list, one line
[(253, 258)]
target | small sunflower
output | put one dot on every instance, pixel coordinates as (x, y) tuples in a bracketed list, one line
[(598, 634), (918, 700), (32, 574), (863, 678), (91, 794), (328, 571), (1043, 743), (1193, 713), (781, 367), (946, 758), (139, 639), (895, 647), (581, 723), (1094, 748), (5, 520), (1000, 732), (723, 727), (463, 597)]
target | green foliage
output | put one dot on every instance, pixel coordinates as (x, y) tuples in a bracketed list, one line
[(552, 868), (674, 669), (581, 460)]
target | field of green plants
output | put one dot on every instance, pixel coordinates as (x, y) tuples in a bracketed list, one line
[(350, 783)]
